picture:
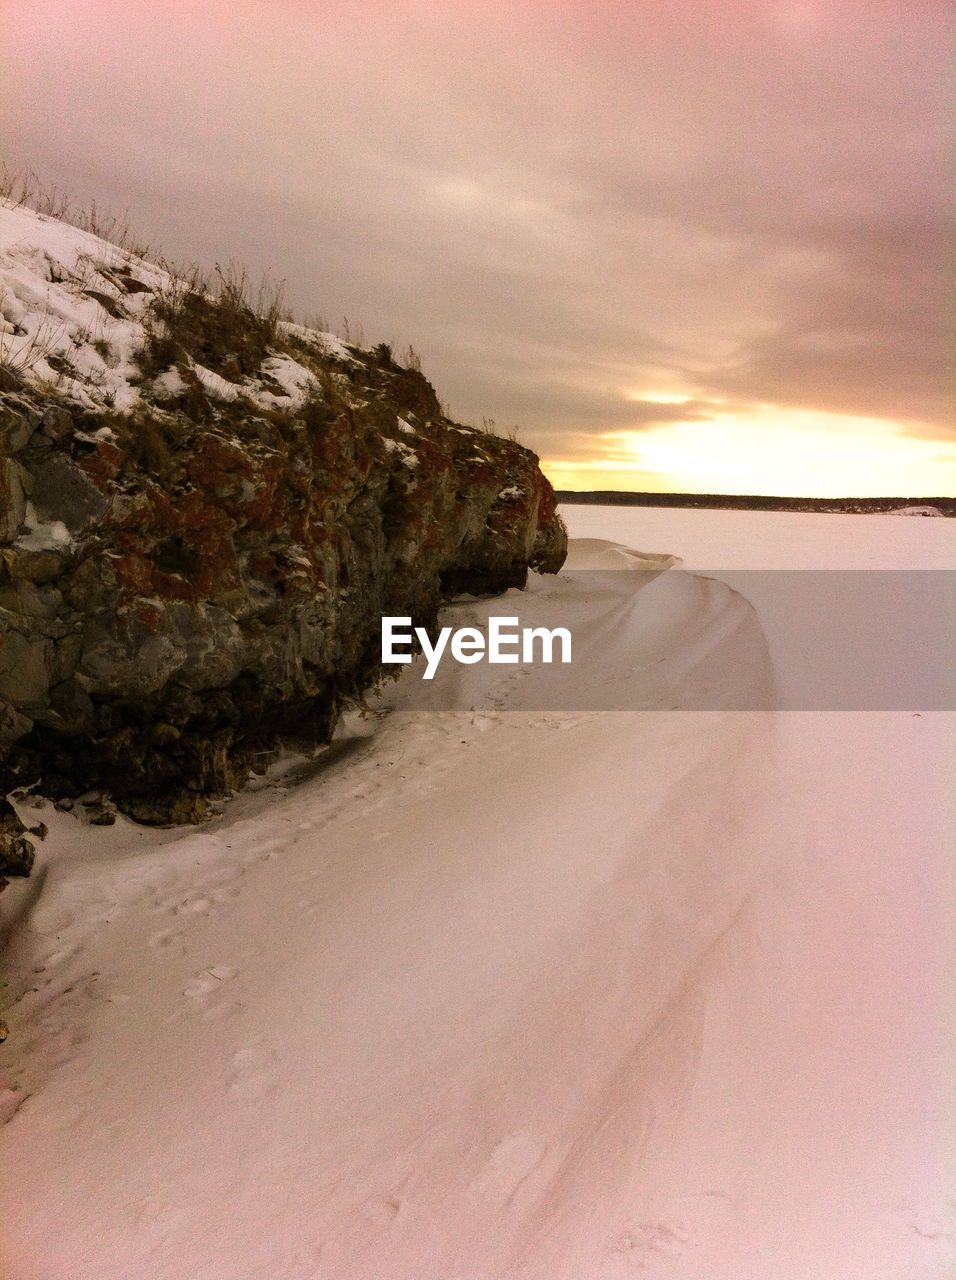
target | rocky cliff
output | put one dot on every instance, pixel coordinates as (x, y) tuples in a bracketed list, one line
[(204, 511)]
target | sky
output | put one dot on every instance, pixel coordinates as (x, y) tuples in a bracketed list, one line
[(696, 245)]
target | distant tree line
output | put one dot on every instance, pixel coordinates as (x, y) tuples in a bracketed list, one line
[(751, 501)]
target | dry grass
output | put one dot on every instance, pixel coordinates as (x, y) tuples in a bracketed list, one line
[(489, 427), (23, 187), (354, 335), (224, 322), (16, 358), (235, 291)]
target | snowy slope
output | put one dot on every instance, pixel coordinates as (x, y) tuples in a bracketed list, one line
[(73, 315), (488, 994)]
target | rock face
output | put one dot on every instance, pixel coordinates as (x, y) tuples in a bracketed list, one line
[(194, 563)]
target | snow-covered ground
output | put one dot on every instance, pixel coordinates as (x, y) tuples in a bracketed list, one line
[(494, 993), (734, 540)]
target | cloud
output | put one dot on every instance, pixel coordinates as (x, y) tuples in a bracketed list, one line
[(563, 205)]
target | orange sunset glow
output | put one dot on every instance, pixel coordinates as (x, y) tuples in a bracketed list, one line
[(787, 452)]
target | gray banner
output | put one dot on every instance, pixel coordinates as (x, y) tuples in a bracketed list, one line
[(800, 640)]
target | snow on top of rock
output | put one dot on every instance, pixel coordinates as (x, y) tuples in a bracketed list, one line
[(71, 308), (51, 535), (408, 456), (169, 384), (296, 382), (74, 311), (215, 385), (328, 343)]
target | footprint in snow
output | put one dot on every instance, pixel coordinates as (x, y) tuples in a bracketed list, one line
[(511, 1164), (11, 1100), (205, 991), (164, 939), (926, 1224), (641, 1242), (253, 1076), (200, 906)]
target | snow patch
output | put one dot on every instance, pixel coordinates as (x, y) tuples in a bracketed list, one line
[(51, 535), (297, 383), (408, 456), (169, 384), (215, 385), (327, 343)]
